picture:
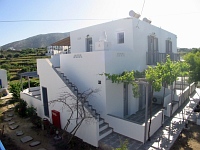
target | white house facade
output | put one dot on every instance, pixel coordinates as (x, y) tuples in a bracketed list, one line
[(113, 47), (3, 79)]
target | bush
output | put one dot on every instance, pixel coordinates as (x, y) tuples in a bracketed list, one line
[(15, 88), (31, 111), (32, 84), (21, 109)]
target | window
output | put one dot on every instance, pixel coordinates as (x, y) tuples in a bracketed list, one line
[(120, 37)]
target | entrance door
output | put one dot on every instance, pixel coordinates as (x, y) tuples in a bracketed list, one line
[(152, 49), (142, 96), (0, 84), (45, 101), (125, 99), (88, 44)]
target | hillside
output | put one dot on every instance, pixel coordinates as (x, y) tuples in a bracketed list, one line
[(37, 41)]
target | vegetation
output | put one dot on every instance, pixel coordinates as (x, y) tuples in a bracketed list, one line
[(125, 77), (193, 59), (16, 62), (15, 89)]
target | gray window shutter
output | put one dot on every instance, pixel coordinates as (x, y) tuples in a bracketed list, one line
[(167, 46)]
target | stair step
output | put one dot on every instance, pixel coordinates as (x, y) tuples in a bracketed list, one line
[(103, 126), (105, 132), (101, 121)]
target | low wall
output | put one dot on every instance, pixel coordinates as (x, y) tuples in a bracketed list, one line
[(32, 101), (134, 130), (156, 123), (182, 98), (127, 128), (37, 88)]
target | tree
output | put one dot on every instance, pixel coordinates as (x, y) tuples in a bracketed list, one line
[(169, 71), (75, 106), (16, 55), (184, 71), (193, 59), (125, 77), (15, 89), (152, 75)]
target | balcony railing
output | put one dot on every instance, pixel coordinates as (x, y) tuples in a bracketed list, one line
[(154, 58)]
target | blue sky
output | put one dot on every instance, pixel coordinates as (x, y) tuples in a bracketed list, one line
[(180, 17)]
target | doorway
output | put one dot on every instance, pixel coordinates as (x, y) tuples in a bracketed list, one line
[(88, 44), (125, 99), (45, 101)]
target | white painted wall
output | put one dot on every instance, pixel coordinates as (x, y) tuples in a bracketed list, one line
[(55, 87), (156, 123), (136, 39), (78, 37), (3, 77), (83, 70), (55, 60), (130, 129), (32, 101)]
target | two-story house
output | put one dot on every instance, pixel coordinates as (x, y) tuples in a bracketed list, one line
[(113, 47)]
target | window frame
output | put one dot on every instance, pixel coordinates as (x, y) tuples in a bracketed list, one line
[(120, 40)]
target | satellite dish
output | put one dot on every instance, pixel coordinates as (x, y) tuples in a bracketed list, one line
[(131, 13), (147, 20)]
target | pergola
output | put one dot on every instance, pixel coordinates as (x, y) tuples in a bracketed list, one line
[(28, 74)]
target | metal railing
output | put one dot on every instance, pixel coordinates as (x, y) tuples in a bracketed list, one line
[(154, 58)]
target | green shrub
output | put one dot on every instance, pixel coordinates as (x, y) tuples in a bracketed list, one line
[(15, 88), (21, 108), (31, 111)]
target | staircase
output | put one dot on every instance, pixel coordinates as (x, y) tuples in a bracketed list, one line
[(104, 128)]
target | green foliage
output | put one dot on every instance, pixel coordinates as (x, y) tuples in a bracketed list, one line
[(32, 84), (193, 59), (153, 77), (15, 88), (21, 109), (125, 77), (16, 55), (123, 145), (30, 111), (24, 60)]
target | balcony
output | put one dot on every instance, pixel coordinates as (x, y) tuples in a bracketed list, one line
[(154, 58)]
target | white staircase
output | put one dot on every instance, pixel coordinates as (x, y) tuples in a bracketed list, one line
[(104, 128)]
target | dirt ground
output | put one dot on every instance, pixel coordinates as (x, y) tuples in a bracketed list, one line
[(190, 139), (10, 139), (12, 142)]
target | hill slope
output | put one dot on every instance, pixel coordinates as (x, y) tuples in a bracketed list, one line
[(37, 41)]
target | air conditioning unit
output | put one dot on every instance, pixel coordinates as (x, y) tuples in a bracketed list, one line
[(157, 100)]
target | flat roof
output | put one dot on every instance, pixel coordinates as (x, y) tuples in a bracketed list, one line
[(29, 74)]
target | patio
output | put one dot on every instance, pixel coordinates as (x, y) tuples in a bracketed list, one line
[(139, 117)]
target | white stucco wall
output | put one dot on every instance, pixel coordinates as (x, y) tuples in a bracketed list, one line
[(78, 37), (55, 60), (3, 77), (55, 87), (135, 39), (83, 70), (32, 101)]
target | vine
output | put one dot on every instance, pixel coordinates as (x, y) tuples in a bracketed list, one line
[(125, 77)]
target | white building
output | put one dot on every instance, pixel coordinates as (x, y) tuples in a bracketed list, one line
[(112, 47), (3, 79), (59, 47)]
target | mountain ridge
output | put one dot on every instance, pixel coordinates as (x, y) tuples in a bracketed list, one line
[(37, 41)]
